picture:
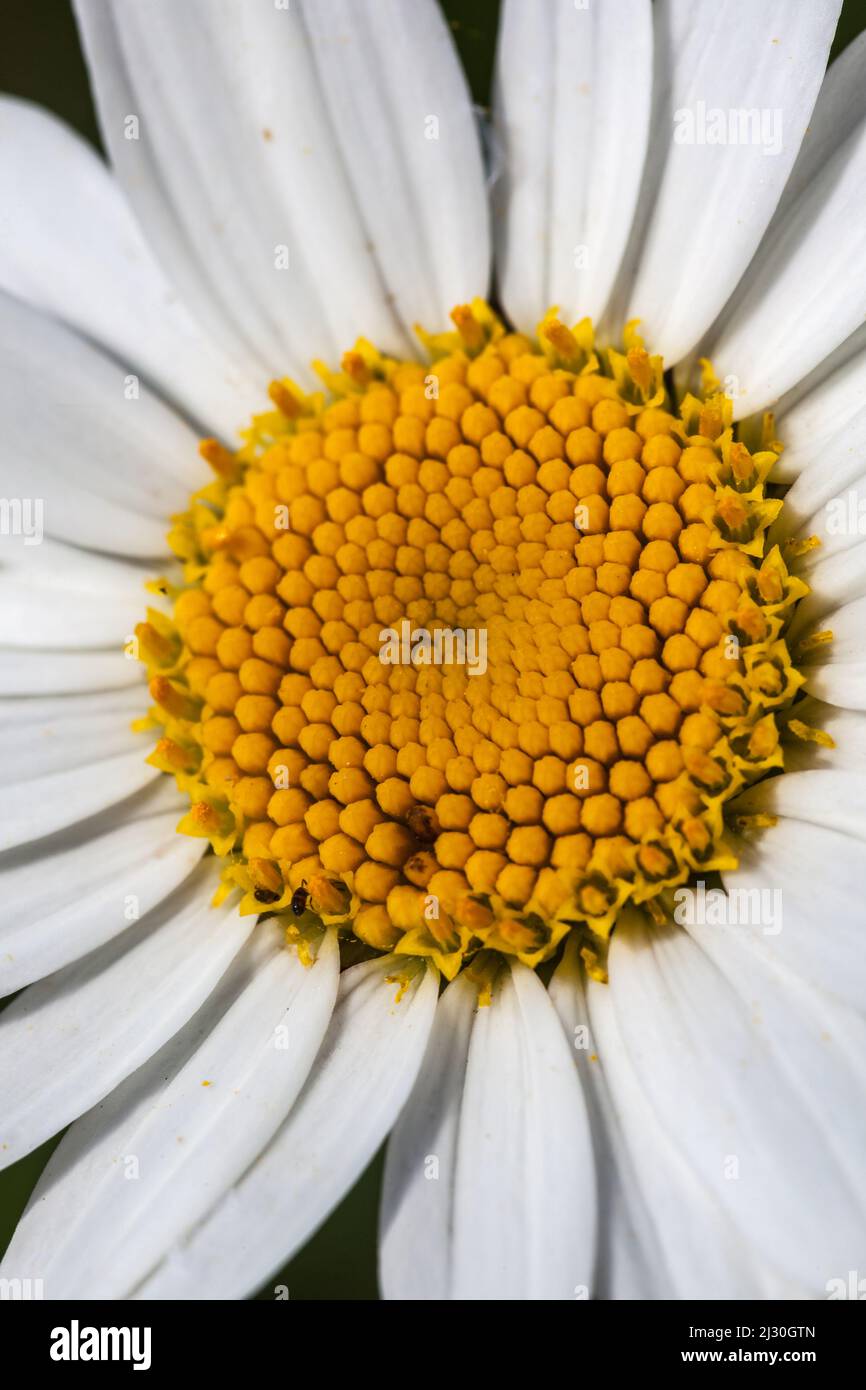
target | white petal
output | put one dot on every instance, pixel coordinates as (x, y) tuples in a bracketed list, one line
[(126, 704), (760, 945), (836, 525), (50, 708), (572, 115), (852, 346), (43, 805), (810, 1038), (848, 642), (69, 1040), (845, 726), (841, 682), (67, 569), (829, 419), (109, 470), (523, 83), (59, 904), (358, 1085), (417, 1199), (397, 96), (63, 209), (139, 1170), (740, 60), (836, 580), (510, 1210), (772, 335), (824, 437), (34, 745), (820, 797), (29, 617), (709, 1074), (238, 178), (813, 929), (840, 108), (824, 434), (630, 1262), (845, 654), (62, 764), (701, 1253), (42, 673), (54, 595)]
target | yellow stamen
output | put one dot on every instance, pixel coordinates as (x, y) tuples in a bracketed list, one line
[(561, 338), (815, 640), (221, 460), (328, 896), (741, 462), (797, 549), (640, 367), (355, 367), (759, 820), (468, 327), (710, 423), (205, 816), (810, 735), (171, 757), (267, 880), (155, 649), (173, 698), (287, 403)]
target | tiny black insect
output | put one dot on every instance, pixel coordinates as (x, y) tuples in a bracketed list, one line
[(423, 822), (300, 898), (266, 895)]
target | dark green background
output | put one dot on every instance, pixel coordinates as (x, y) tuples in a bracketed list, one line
[(40, 58)]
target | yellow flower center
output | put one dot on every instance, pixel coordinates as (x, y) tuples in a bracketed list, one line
[(471, 654)]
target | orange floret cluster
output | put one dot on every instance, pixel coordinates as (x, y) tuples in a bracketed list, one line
[(606, 555)]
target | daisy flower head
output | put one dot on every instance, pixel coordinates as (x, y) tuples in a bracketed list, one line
[(483, 770)]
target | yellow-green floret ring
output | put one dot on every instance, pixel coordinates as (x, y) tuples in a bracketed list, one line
[(472, 654)]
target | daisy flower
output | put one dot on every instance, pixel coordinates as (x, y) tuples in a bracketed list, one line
[(504, 672)]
